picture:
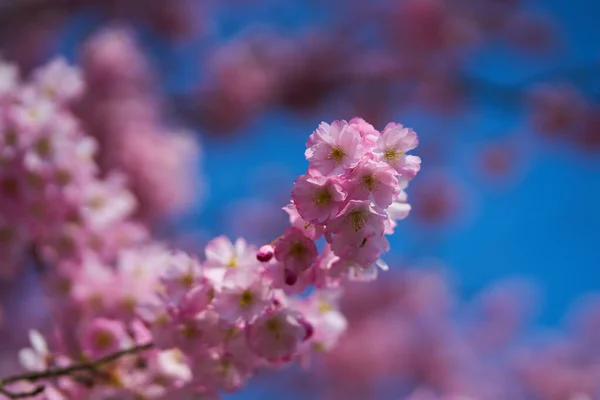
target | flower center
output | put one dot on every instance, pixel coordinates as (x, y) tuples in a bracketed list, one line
[(274, 326), (103, 339), (322, 197), (391, 155), (370, 182), (324, 307), (44, 147), (246, 299), (297, 250), (357, 220), (337, 154), (187, 280), (233, 262)]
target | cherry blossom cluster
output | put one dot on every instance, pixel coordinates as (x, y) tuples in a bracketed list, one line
[(180, 326), (51, 191), (352, 195), (121, 109)]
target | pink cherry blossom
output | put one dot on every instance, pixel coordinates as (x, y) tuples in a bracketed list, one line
[(371, 180), (318, 198), (392, 145), (222, 253), (181, 274), (59, 81), (245, 298), (295, 250), (334, 147), (103, 336), (358, 221), (277, 334)]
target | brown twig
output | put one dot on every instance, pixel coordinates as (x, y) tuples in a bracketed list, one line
[(22, 395), (58, 372)]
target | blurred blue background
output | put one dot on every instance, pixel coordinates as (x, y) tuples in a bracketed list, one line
[(543, 224)]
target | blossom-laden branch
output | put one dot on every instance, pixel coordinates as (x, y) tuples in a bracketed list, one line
[(63, 371)]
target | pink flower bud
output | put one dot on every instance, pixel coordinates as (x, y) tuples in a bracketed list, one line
[(265, 253)]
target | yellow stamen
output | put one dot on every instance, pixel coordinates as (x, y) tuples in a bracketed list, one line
[(246, 299), (370, 182), (322, 197), (232, 262), (357, 219), (337, 154), (324, 306), (392, 156)]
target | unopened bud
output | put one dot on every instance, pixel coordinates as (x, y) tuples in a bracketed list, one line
[(265, 253)]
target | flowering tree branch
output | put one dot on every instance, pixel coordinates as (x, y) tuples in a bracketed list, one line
[(64, 371)]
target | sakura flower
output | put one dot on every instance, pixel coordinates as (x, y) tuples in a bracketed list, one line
[(277, 335), (138, 273), (59, 81), (181, 274), (105, 202), (357, 222), (222, 254), (295, 250), (103, 336), (35, 358), (318, 198), (334, 147), (394, 142), (243, 298), (375, 181), (193, 335), (30, 112), (326, 321)]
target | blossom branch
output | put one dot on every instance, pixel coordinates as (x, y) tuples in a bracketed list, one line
[(58, 372)]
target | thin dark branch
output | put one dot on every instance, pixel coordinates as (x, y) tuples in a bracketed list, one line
[(22, 395), (58, 372)]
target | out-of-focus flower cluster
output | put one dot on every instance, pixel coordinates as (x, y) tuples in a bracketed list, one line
[(52, 192), (122, 111), (561, 111), (420, 51), (412, 338), (211, 324)]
